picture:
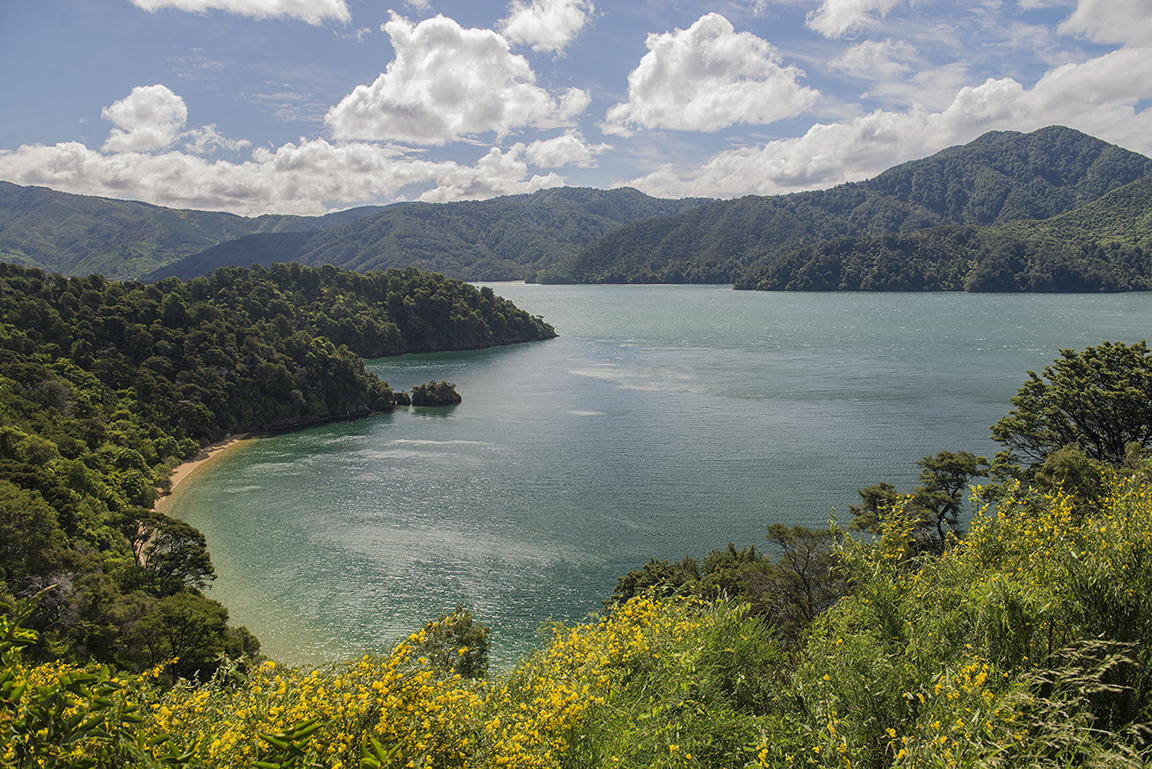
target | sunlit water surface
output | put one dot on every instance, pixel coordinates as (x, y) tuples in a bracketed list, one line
[(665, 421)]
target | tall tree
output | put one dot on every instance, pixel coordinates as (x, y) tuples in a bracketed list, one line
[(944, 479), (1098, 401)]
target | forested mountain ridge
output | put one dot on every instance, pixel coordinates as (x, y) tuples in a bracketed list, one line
[(1104, 245), (106, 386), (999, 177), (506, 238), (123, 239)]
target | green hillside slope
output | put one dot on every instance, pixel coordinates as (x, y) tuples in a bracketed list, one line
[(122, 239), (505, 238), (1105, 245), (1000, 177)]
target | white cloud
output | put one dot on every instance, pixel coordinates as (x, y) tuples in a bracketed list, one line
[(837, 18), (310, 177), (546, 25), (570, 149), (206, 139), (311, 11), (447, 82), (1097, 97), (1111, 21), (708, 77), (497, 173), (149, 118), (876, 60)]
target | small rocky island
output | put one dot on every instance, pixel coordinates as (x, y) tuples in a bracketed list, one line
[(440, 393)]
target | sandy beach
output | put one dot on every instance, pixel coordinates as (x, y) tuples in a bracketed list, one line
[(206, 455)]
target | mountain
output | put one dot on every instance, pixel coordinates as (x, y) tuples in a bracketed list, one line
[(998, 178), (1105, 245), (121, 239), (505, 238)]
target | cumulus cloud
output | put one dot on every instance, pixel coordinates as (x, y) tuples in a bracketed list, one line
[(311, 11), (837, 18), (497, 173), (310, 177), (207, 139), (708, 77), (546, 25), (444, 83), (570, 149), (149, 118), (1111, 21), (1098, 97), (873, 59)]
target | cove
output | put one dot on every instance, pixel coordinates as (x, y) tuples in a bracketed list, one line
[(665, 421)]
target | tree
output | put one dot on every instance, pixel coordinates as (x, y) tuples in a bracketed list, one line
[(1098, 401), (944, 479), (806, 581), (874, 500), (172, 553), (936, 502)]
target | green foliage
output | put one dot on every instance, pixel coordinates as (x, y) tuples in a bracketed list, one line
[(1027, 643), (455, 644), (932, 509), (1098, 402), (440, 393), (789, 593), (74, 718)]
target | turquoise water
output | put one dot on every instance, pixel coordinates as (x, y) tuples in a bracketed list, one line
[(665, 421)]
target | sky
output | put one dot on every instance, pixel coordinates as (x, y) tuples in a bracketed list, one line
[(313, 106)]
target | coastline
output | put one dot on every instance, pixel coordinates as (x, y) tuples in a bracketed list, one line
[(206, 455)]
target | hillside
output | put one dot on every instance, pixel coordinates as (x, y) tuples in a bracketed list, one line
[(504, 238), (121, 239), (998, 178), (1101, 246)]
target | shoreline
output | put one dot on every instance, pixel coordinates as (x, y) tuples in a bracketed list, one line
[(207, 454)]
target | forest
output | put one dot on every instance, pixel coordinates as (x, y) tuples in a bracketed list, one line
[(106, 386)]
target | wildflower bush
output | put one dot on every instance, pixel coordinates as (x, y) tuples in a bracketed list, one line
[(1025, 643)]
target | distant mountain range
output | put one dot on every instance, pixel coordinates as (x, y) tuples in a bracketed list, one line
[(506, 238), (1051, 210), (122, 239)]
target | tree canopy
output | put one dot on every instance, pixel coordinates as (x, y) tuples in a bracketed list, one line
[(1098, 401)]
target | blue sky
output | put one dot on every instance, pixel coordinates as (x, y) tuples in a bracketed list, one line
[(309, 106)]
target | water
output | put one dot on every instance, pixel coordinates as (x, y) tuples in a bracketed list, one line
[(664, 422)]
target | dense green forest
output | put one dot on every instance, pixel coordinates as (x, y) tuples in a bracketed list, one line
[(106, 386), (123, 239), (1105, 245), (507, 238), (788, 241), (906, 641)]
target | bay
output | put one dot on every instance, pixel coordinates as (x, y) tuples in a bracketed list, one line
[(664, 421)]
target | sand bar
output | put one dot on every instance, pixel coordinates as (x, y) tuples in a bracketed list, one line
[(206, 455)]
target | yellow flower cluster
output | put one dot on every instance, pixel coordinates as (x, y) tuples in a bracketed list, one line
[(539, 707), (398, 701)]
